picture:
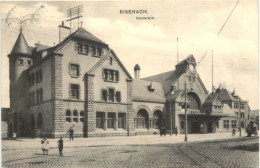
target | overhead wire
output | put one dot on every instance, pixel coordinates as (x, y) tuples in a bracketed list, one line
[(219, 31)]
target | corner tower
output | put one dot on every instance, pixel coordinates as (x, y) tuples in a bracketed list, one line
[(20, 59)]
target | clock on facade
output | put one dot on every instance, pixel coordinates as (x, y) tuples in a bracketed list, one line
[(191, 67)]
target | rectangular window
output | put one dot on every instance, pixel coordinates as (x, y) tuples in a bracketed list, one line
[(100, 120), (110, 75), (226, 124), (93, 51), (40, 95), (233, 123), (21, 61), (39, 76), (74, 70), (118, 96), (219, 107), (111, 95), (104, 95), (236, 106), (85, 49), (121, 120), (242, 115), (37, 96), (242, 106), (29, 62), (74, 91), (182, 124), (80, 48), (98, 51), (110, 120)]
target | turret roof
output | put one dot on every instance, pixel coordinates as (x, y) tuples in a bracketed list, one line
[(21, 46)]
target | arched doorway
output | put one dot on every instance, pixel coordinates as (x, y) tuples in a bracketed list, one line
[(157, 119), (142, 120)]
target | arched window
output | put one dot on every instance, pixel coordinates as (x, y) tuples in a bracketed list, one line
[(142, 119), (68, 116), (81, 116), (194, 102), (75, 116)]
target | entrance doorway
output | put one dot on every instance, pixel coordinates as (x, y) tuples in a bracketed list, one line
[(195, 127), (210, 127)]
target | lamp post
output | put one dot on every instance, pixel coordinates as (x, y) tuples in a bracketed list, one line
[(239, 117), (186, 124), (171, 112)]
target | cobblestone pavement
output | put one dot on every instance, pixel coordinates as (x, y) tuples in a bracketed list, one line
[(242, 152)]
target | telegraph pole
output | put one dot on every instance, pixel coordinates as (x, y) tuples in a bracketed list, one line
[(239, 117), (186, 124)]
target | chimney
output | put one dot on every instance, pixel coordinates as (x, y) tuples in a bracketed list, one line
[(64, 31), (137, 72)]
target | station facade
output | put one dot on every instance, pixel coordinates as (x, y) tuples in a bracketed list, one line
[(82, 83)]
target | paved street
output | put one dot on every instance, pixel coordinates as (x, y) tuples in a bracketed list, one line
[(138, 151)]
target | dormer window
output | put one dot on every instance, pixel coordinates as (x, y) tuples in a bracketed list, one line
[(151, 87), (83, 48), (93, 51)]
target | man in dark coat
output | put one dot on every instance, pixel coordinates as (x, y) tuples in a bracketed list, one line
[(71, 131), (60, 145)]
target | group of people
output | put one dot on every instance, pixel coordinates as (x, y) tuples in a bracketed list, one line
[(45, 143), (163, 130)]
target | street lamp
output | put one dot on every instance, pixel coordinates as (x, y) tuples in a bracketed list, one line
[(171, 109), (239, 117), (186, 124)]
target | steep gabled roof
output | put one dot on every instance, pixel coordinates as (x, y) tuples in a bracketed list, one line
[(102, 59), (80, 33), (21, 46), (225, 95), (213, 99), (141, 92)]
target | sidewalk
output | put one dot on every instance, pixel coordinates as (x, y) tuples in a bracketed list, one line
[(21, 143)]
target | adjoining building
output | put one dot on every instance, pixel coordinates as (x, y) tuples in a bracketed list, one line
[(81, 83)]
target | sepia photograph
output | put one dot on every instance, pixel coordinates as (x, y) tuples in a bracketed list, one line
[(130, 84)]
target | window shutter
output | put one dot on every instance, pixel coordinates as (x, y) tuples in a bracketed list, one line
[(79, 70), (117, 76), (70, 90), (103, 74)]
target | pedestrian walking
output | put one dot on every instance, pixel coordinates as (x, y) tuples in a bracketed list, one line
[(233, 132), (71, 131), (161, 130), (45, 146), (60, 145), (164, 131), (176, 131)]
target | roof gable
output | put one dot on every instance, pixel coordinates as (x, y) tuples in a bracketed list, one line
[(104, 58)]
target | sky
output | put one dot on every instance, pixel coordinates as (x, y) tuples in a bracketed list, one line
[(152, 43)]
